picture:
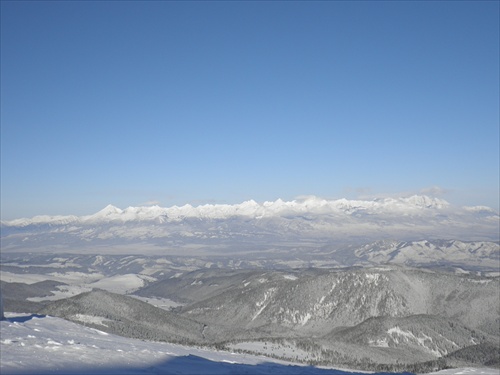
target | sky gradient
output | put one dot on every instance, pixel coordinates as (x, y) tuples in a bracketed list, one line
[(133, 103)]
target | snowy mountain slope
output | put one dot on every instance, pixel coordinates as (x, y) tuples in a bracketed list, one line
[(207, 283), (430, 335), (393, 313), (429, 252), (66, 275), (250, 225), (306, 301), (41, 345), (127, 316), (18, 296), (309, 299), (484, 354), (385, 343), (312, 304)]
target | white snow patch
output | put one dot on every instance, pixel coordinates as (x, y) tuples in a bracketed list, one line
[(479, 281), (162, 303), (90, 319), (262, 304), (62, 291), (304, 319), (121, 284), (381, 343), (467, 371), (285, 349), (410, 337)]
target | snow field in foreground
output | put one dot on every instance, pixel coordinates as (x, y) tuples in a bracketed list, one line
[(38, 344), (31, 344)]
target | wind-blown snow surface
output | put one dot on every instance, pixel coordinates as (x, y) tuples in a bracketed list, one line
[(252, 225), (36, 344)]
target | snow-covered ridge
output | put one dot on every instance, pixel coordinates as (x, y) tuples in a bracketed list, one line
[(417, 204)]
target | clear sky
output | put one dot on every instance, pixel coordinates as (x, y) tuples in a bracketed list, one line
[(130, 103)]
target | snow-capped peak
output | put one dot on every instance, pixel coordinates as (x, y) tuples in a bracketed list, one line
[(423, 201), (109, 212), (310, 205)]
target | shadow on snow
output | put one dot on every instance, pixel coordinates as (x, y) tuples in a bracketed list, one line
[(194, 365), (22, 319)]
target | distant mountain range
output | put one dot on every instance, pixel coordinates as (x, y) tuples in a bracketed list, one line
[(417, 205), (309, 223)]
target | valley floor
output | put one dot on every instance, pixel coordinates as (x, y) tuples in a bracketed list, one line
[(36, 344)]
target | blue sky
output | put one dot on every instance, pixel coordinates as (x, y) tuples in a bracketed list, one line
[(130, 103)]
